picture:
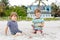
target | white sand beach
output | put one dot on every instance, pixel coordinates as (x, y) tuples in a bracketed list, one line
[(51, 30)]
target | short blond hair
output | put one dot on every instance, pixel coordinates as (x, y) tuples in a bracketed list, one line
[(13, 13), (37, 11)]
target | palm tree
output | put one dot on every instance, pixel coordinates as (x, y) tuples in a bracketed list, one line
[(55, 9), (1, 8), (5, 2), (39, 1)]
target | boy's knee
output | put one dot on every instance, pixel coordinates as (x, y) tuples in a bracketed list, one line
[(41, 31)]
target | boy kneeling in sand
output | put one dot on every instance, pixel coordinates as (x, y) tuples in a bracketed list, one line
[(38, 22), (12, 25)]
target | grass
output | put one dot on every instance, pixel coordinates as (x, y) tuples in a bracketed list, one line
[(4, 18), (29, 19), (25, 18), (52, 19), (19, 18)]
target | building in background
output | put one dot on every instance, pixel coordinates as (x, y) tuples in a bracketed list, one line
[(46, 11)]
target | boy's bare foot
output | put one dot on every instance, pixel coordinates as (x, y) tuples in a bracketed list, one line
[(30, 36)]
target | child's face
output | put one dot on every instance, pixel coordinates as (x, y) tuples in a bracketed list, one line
[(14, 17), (38, 15)]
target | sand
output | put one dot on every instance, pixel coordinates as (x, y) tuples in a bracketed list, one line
[(51, 31)]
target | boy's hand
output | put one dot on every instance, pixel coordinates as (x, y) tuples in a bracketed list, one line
[(6, 34), (39, 24)]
